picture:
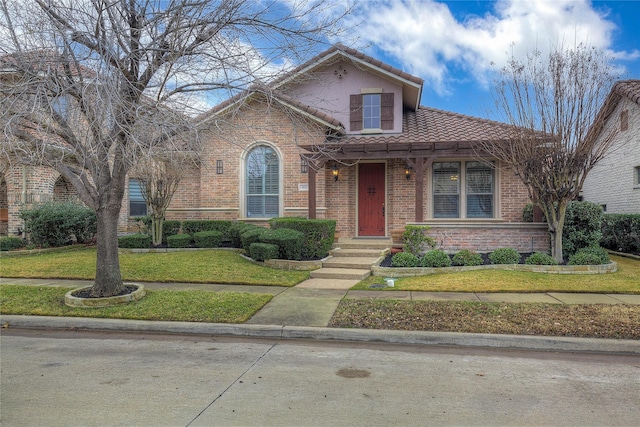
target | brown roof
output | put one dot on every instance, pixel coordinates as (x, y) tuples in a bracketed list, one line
[(39, 61), (629, 89), (279, 97), (437, 126), (338, 47)]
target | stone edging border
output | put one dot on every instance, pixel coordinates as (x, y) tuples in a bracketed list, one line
[(612, 267)]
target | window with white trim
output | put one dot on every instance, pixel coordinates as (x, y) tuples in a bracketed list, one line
[(463, 190), (262, 183), (371, 111), (137, 204)]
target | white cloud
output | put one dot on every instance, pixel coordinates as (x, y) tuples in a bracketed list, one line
[(429, 41)]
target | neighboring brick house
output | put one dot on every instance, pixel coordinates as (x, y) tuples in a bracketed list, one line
[(614, 183), (343, 136)]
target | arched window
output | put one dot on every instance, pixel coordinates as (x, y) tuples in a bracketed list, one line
[(262, 183)]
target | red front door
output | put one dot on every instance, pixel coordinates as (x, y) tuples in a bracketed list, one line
[(371, 196)]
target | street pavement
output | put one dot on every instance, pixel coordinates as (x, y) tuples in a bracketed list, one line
[(77, 378), (304, 311)]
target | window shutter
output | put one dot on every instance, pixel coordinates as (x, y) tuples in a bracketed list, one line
[(386, 111), (355, 112)]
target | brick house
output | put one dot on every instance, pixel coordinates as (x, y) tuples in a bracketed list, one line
[(614, 183), (344, 136)]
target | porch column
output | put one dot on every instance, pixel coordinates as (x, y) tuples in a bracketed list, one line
[(312, 192), (419, 165), (312, 171)]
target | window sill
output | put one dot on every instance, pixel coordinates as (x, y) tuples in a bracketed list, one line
[(371, 131)]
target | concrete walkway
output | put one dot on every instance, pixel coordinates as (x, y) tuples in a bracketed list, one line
[(313, 302)]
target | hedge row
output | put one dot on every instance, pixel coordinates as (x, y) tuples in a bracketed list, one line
[(55, 224), (318, 234), (621, 232)]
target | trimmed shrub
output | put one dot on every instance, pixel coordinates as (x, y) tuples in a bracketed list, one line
[(504, 256), (54, 223), (252, 235), (415, 239), (170, 227), (289, 242), (10, 243), (235, 231), (435, 258), (540, 258), (318, 234), (621, 232), (179, 240), (207, 239), (467, 257), (263, 251), (582, 227), (135, 241), (195, 226), (404, 259), (594, 255)]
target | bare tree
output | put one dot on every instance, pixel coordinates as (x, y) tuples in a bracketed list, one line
[(160, 178), (553, 104), (86, 84)]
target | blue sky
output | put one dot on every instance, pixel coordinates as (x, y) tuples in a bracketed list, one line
[(451, 44)]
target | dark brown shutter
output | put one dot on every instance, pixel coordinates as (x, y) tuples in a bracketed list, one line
[(386, 111), (355, 112)]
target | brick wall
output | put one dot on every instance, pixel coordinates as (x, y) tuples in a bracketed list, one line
[(487, 238)]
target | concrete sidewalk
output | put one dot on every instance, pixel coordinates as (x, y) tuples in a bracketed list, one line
[(305, 310)]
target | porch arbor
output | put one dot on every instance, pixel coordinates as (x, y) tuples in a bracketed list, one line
[(418, 155)]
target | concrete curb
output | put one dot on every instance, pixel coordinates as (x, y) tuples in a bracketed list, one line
[(567, 344)]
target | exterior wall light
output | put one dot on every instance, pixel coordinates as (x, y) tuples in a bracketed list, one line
[(407, 173), (334, 171)]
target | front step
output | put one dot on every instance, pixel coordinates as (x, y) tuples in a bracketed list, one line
[(358, 253), (351, 262), (340, 273), (364, 243)]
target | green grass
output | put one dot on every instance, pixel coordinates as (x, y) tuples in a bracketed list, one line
[(186, 306), (206, 266), (625, 280)]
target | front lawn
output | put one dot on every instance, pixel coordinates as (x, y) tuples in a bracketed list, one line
[(204, 266), (619, 321), (185, 306), (625, 281)]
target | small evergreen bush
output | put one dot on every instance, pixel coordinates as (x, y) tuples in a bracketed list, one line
[(621, 232), (252, 235), (467, 257), (207, 239), (540, 258), (263, 251), (53, 224), (170, 227), (593, 255), (135, 241), (415, 239), (235, 231), (435, 258), (10, 243), (582, 227), (289, 242), (404, 259), (504, 256), (318, 234), (179, 240), (195, 226)]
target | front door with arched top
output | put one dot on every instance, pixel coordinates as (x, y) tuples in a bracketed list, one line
[(371, 199)]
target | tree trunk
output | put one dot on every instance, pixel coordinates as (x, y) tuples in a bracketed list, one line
[(108, 279), (156, 230), (556, 233)]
